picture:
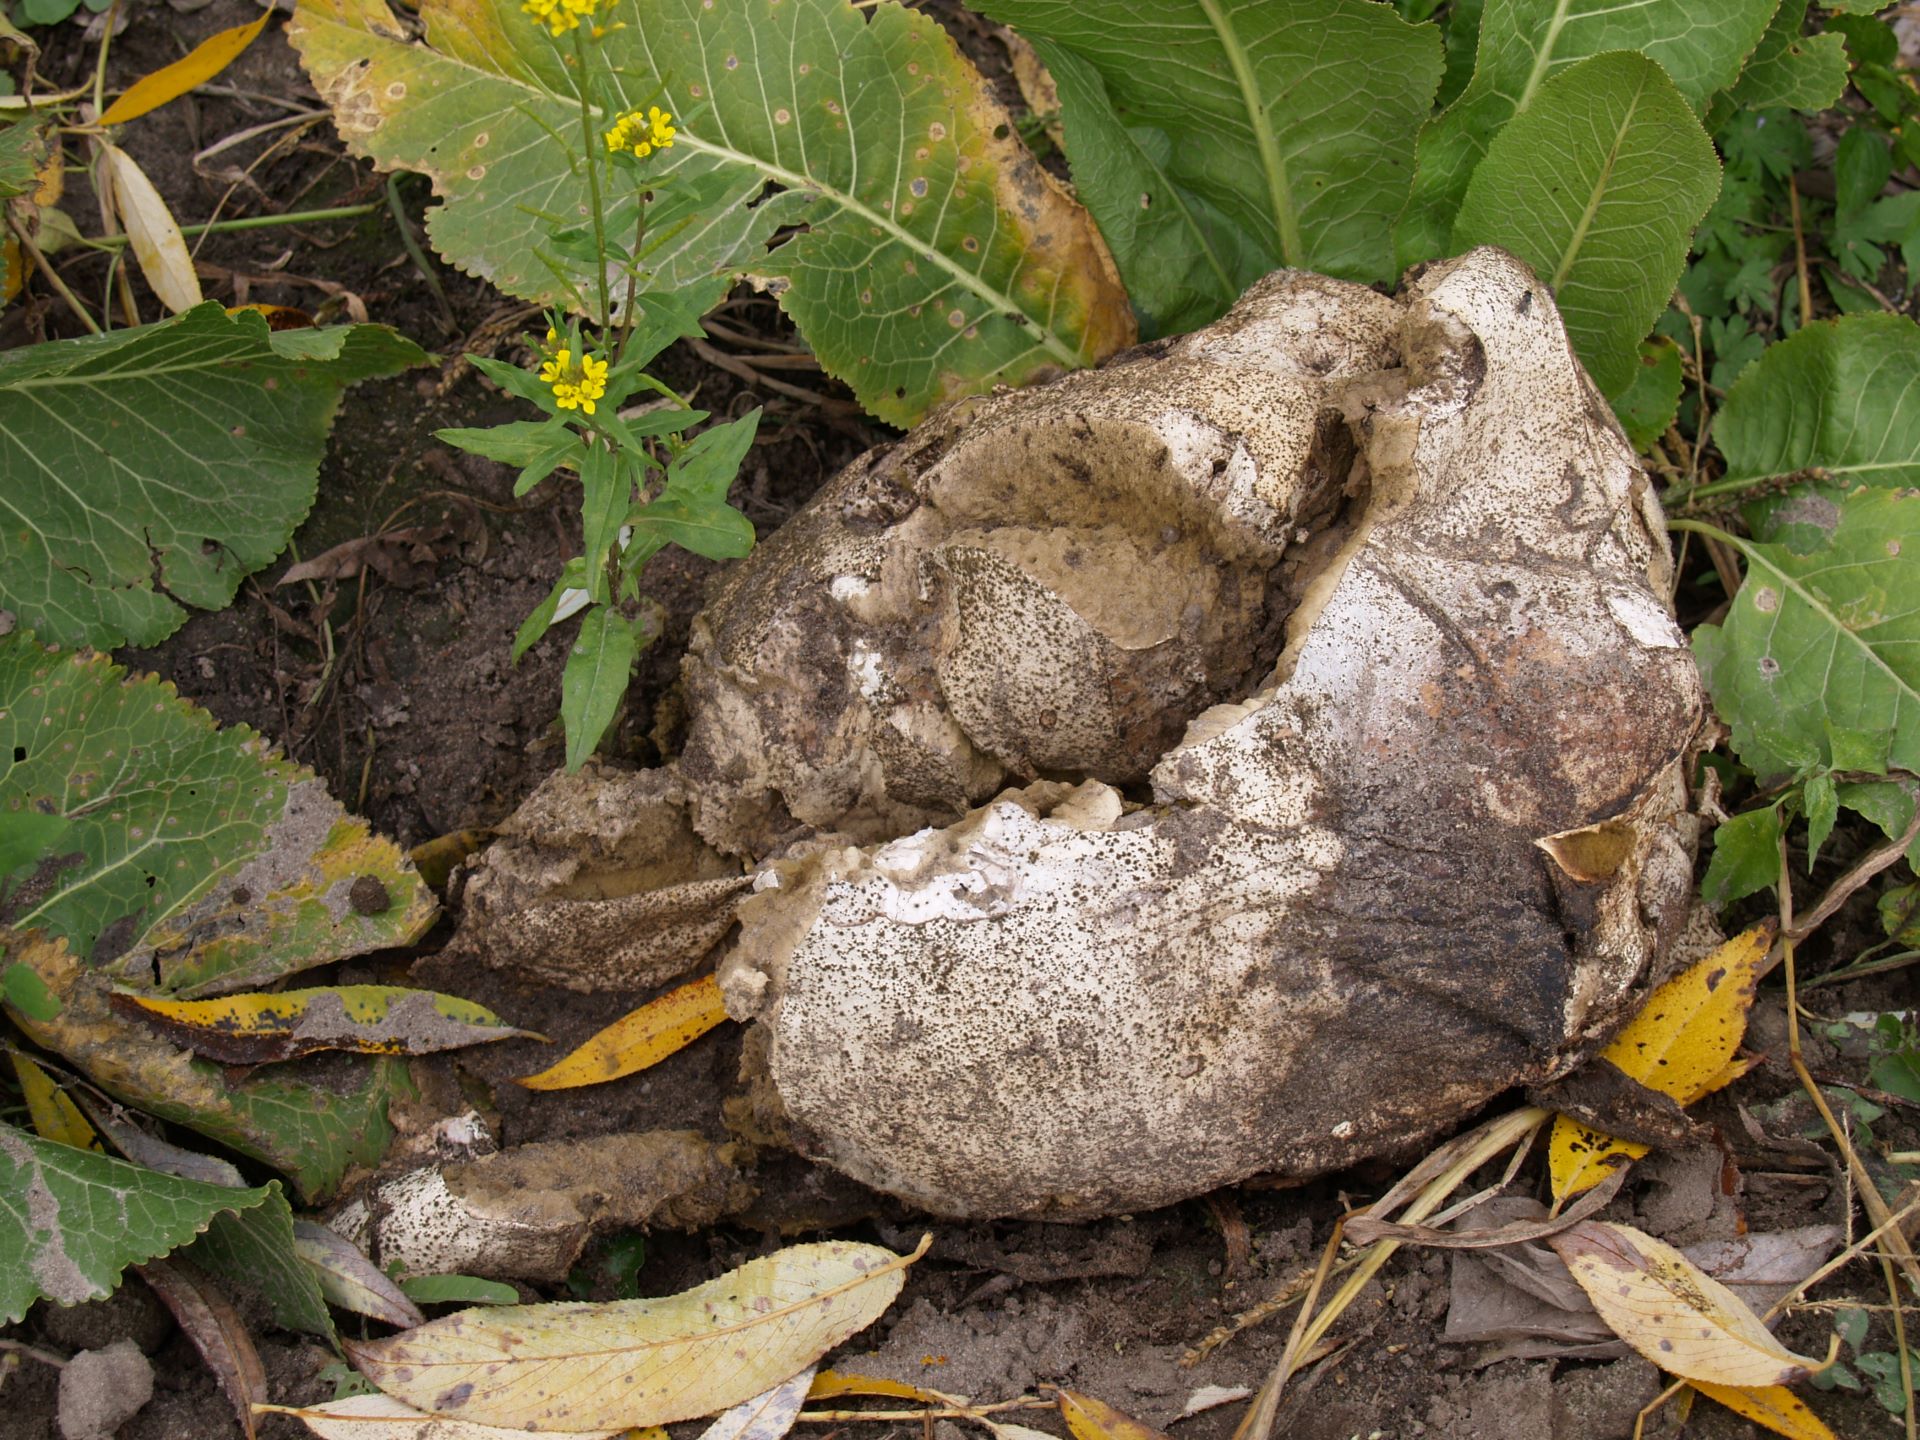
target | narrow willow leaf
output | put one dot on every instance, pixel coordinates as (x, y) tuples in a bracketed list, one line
[(257, 1029), (640, 1362), (766, 1416), (1598, 186), (203, 858), (1674, 1314), (1773, 1406), (1526, 43), (1681, 1044), (594, 682), (257, 1250), (830, 1384), (926, 255), (91, 1217), (457, 1290), (1821, 641), (639, 1039), (1092, 1419), (152, 233), (381, 1417), (199, 440), (1827, 403), (209, 1320), (350, 1280), (55, 1117), (196, 67), (1295, 120)]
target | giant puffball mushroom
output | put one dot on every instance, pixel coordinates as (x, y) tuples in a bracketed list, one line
[(1251, 756)]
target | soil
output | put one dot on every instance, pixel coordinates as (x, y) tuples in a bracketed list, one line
[(401, 695)]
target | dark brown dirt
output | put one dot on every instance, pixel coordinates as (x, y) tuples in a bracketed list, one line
[(402, 698)]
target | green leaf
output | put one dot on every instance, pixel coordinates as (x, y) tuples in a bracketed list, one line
[(1823, 637), (705, 470), (1294, 120), (1862, 165), (595, 681), (206, 861), (156, 468), (458, 1290), (255, 1249), (926, 254), (23, 148), (1821, 799), (1598, 186), (1646, 408), (1183, 260), (1869, 41), (1525, 45), (1746, 857), (78, 1218), (27, 836), (1827, 399), (1791, 68), (573, 576), (518, 442), (606, 494), (22, 989)]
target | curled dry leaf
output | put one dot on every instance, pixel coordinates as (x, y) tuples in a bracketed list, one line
[(257, 1029), (381, 1417), (830, 1384), (766, 1416), (638, 1039), (152, 231), (350, 1280), (1681, 1043), (209, 1320), (641, 1362), (1673, 1313)]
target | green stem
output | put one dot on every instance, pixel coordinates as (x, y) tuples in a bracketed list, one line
[(593, 180), (257, 222)]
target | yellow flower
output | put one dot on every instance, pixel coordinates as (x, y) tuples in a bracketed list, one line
[(559, 16), (575, 387), (640, 134)]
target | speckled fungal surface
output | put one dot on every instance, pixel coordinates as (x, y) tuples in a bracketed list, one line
[(1251, 756)]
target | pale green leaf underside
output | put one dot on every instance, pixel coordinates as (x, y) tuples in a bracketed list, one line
[(1825, 644), (938, 258), (182, 453), (1598, 187), (1702, 44), (72, 1220), (194, 845), (1296, 120), (1842, 396)]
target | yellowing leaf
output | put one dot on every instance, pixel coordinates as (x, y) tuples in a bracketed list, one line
[(257, 1029), (1680, 1318), (1773, 1406), (196, 67), (1091, 1419), (641, 1038), (152, 232), (1681, 1044), (640, 1362), (829, 1384), (381, 1417), (55, 1117)]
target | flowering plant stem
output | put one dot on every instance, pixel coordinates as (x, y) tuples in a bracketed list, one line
[(605, 318)]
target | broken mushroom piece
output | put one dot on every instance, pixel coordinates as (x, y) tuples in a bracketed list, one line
[(1329, 650)]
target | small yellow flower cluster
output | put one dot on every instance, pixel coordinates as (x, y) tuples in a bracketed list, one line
[(642, 134), (575, 387), (560, 16)]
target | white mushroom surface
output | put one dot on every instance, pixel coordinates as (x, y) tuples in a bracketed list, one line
[(1330, 652)]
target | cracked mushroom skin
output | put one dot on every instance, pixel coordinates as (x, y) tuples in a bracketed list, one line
[(1323, 777)]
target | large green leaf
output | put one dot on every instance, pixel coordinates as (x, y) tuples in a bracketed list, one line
[(1524, 44), (1817, 665), (254, 1248), (312, 1133), (194, 861), (936, 258), (1790, 67), (1835, 401), (1296, 120), (72, 1220), (155, 468), (1598, 186)]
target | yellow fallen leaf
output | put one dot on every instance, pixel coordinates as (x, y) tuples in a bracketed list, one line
[(1681, 1044), (830, 1384), (152, 232), (640, 1362), (1669, 1310), (55, 1116), (1091, 1419), (638, 1039), (260, 1027), (1774, 1406), (381, 1417), (196, 67)]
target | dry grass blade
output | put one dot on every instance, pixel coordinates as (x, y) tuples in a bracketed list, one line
[(216, 1330)]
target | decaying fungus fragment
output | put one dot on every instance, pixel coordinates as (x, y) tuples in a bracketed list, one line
[(1251, 756)]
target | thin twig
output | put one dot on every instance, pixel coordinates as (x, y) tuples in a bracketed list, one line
[(52, 276), (34, 1352), (1843, 889)]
